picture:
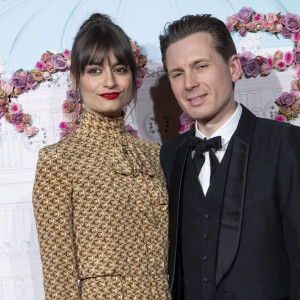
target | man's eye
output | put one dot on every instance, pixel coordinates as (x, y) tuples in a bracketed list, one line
[(202, 67), (176, 75)]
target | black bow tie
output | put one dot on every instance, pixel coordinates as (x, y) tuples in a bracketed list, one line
[(202, 146)]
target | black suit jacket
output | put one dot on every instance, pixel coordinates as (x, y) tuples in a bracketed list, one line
[(258, 256)]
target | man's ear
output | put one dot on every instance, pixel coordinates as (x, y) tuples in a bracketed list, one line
[(235, 68)]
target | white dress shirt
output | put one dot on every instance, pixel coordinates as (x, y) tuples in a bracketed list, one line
[(225, 131)]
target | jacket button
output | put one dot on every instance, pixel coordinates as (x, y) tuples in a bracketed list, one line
[(206, 216), (204, 258), (205, 236), (205, 279)]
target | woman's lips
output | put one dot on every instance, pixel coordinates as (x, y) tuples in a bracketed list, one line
[(110, 95)]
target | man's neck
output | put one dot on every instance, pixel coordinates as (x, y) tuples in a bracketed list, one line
[(209, 126)]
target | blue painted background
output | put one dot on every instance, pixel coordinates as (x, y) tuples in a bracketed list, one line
[(30, 27)]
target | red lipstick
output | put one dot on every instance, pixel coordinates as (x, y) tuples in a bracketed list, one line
[(110, 95)]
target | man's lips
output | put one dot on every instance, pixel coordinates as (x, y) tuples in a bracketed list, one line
[(113, 95), (196, 97)]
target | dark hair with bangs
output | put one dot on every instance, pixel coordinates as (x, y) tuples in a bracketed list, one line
[(190, 24), (97, 37)]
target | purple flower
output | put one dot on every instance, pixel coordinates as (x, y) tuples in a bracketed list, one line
[(17, 81), (252, 68), (31, 83), (286, 99), (17, 118), (286, 33), (244, 14), (296, 53), (73, 96), (243, 31), (292, 22), (244, 58), (59, 62)]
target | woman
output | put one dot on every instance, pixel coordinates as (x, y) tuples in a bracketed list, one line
[(99, 196)]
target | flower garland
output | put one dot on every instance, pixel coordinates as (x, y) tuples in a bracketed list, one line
[(51, 63), (289, 27)]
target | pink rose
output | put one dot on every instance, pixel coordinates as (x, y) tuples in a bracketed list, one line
[(138, 50), (280, 65), (20, 127), (251, 26), (26, 118), (30, 130), (278, 55), (266, 25), (272, 27), (229, 27), (270, 62), (271, 18), (139, 82), (47, 75), (70, 117), (8, 117), (232, 20), (296, 36), (142, 60), (68, 106), (278, 27), (298, 73), (37, 75), (40, 66), (297, 94), (4, 101), (288, 58), (78, 108), (62, 125), (8, 88), (258, 18), (265, 69), (50, 67), (14, 108), (280, 118), (133, 45), (45, 57), (296, 85), (67, 53), (280, 19), (285, 110)]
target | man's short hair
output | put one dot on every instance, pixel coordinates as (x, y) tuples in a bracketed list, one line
[(191, 24)]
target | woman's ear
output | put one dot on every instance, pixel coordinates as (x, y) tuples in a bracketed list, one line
[(73, 81), (235, 67)]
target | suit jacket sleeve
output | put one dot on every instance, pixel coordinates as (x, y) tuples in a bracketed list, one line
[(289, 191), (53, 214)]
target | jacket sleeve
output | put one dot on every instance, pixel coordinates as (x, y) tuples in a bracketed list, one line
[(289, 191), (52, 193)]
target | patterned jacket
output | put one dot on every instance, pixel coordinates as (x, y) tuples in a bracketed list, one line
[(100, 204)]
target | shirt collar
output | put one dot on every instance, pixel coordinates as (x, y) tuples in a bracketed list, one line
[(226, 130)]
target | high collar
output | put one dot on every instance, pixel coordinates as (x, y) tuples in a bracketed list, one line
[(99, 125)]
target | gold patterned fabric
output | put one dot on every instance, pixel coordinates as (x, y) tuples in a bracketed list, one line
[(100, 204)]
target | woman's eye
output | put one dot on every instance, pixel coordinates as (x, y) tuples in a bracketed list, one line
[(94, 71), (121, 70)]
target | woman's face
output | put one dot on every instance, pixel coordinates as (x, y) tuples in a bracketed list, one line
[(106, 89)]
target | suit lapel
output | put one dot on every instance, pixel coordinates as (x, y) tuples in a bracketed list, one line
[(174, 203), (234, 195)]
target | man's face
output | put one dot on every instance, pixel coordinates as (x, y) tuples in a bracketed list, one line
[(201, 80)]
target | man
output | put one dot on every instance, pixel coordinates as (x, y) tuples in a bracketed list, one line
[(234, 199)]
